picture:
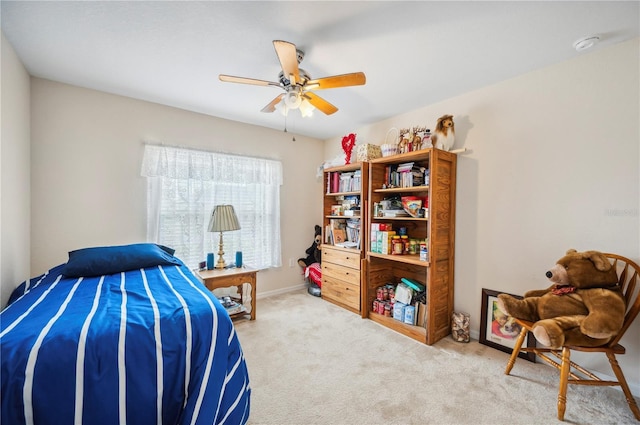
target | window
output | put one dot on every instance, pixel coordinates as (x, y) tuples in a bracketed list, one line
[(184, 186)]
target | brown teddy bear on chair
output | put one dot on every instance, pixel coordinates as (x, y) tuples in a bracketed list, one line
[(584, 306)]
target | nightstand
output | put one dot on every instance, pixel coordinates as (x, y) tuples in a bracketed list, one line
[(225, 278)]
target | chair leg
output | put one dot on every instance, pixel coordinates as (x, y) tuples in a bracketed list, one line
[(564, 381), (516, 350), (623, 384)]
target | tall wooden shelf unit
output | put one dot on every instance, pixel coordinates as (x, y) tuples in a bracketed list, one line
[(438, 226), (343, 269)]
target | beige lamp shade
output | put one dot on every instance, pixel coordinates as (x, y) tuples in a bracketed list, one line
[(223, 219)]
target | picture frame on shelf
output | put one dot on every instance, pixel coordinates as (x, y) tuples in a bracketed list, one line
[(499, 330)]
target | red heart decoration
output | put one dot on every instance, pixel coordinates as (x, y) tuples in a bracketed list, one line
[(348, 142)]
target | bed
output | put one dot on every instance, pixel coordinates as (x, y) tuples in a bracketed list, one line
[(123, 334)]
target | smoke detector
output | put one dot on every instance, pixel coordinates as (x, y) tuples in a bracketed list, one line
[(586, 43)]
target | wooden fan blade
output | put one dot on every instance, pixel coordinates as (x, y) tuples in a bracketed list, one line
[(288, 60), (344, 80), (320, 103), (272, 105), (243, 80)]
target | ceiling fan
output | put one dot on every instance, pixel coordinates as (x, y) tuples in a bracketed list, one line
[(297, 83)]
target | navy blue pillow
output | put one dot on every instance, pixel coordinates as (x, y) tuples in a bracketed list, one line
[(105, 260)]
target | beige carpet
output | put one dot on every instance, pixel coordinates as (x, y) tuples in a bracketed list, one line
[(311, 362)]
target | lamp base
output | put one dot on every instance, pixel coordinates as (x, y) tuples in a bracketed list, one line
[(220, 264)]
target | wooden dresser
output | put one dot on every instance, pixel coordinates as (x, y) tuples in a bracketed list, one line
[(343, 268), (341, 276)]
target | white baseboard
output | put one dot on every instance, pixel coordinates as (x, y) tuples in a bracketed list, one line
[(275, 292)]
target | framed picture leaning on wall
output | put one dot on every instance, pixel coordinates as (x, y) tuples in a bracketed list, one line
[(498, 330)]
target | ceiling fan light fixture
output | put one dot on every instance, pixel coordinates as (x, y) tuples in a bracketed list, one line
[(306, 108), (292, 100)]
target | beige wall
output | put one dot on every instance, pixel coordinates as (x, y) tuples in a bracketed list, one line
[(552, 163), (14, 173), (86, 183)]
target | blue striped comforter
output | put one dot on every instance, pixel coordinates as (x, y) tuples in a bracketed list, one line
[(149, 346)]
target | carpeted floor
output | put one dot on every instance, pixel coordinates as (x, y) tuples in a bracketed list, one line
[(311, 362)]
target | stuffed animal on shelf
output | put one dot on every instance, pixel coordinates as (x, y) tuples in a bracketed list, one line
[(584, 306), (313, 252), (444, 136)]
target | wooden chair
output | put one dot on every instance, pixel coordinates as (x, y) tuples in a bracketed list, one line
[(572, 373)]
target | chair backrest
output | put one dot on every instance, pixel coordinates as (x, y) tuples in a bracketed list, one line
[(629, 283)]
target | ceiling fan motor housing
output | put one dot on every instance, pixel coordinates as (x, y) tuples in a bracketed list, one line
[(285, 83)]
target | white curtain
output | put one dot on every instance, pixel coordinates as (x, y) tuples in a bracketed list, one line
[(183, 187)]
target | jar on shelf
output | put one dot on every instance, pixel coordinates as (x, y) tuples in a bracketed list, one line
[(397, 246), (405, 244), (413, 246)]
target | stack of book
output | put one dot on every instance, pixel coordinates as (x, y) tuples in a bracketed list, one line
[(343, 232), (407, 174), (339, 182), (232, 306), (394, 213)]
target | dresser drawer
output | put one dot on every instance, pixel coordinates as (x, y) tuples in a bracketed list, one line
[(344, 257), (341, 292), (340, 272)]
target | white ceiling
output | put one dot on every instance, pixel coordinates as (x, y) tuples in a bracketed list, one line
[(413, 53)]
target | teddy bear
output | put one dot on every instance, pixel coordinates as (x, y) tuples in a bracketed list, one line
[(584, 305), (314, 255)]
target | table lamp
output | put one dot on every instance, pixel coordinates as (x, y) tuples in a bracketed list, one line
[(223, 219)]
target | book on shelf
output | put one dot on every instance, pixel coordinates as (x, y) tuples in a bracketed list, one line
[(333, 183), (353, 212), (345, 182), (348, 244), (231, 305), (407, 174), (336, 231), (394, 213), (353, 231), (421, 316), (351, 201), (339, 236), (348, 181), (407, 166)]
